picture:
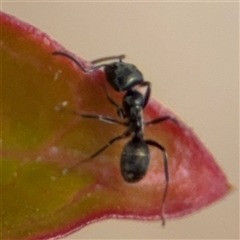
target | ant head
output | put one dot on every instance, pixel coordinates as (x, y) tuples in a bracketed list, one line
[(122, 76)]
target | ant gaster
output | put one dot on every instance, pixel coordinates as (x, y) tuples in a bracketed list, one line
[(125, 77)]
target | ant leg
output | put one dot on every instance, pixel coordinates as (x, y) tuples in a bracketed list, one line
[(166, 172), (148, 91), (120, 110), (103, 118), (162, 119), (93, 116), (124, 135)]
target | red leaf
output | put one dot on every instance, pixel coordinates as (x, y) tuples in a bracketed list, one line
[(41, 198)]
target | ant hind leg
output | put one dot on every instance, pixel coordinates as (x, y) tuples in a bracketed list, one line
[(119, 137), (166, 173)]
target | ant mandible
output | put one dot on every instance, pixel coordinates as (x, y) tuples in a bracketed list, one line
[(125, 77)]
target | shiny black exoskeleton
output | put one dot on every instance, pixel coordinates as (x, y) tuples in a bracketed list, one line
[(135, 158)]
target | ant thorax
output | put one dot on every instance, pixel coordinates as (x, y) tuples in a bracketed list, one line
[(135, 122)]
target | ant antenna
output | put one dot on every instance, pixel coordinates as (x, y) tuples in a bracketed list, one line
[(70, 57), (119, 57)]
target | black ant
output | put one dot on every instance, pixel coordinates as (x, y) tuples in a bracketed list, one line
[(125, 77)]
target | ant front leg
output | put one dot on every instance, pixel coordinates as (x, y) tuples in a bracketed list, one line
[(166, 173), (148, 92), (120, 110)]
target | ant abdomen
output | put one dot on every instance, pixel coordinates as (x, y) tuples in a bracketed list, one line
[(134, 160)]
